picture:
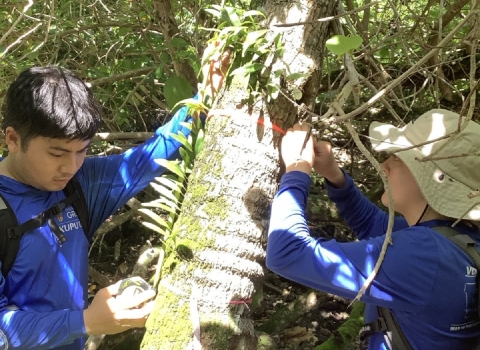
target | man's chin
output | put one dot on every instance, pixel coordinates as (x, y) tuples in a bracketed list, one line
[(52, 187)]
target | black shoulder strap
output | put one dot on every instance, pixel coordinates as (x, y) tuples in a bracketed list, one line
[(468, 246), (11, 232), (398, 340), (80, 206), (387, 324), (8, 245)]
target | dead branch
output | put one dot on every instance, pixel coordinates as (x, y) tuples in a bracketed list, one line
[(94, 341), (405, 75), (330, 18), (123, 76), (391, 210), (99, 278), (170, 30)]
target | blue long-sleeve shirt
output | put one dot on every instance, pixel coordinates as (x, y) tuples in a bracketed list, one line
[(426, 281), (43, 296)]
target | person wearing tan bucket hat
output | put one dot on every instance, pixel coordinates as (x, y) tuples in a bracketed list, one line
[(449, 181), (427, 283)]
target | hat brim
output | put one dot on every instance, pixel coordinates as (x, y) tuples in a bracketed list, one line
[(443, 193)]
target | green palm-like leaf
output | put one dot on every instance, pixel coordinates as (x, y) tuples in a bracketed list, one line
[(186, 155), (163, 191), (164, 207), (172, 184), (199, 142), (252, 38), (183, 140), (157, 218), (155, 228), (248, 69), (172, 166)]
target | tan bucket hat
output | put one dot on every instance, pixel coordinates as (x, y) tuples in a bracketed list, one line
[(449, 182)]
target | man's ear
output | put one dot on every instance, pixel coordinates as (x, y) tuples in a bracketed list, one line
[(13, 141)]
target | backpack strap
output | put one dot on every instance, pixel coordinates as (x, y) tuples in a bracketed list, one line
[(80, 206), (398, 340), (386, 323), (8, 246), (469, 247), (11, 232)]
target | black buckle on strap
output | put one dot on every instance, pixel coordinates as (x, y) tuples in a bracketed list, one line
[(58, 208), (379, 325), (11, 232)]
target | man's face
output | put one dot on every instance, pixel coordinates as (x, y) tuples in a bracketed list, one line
[(407, 197), (48, 164)]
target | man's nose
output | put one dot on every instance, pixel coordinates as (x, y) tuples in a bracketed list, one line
[(384, 166), (69, 165)]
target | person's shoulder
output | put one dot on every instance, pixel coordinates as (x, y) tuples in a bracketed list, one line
[(414, 242)]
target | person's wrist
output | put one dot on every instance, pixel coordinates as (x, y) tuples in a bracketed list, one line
[(336, 177), (301, 165), (87, 322)]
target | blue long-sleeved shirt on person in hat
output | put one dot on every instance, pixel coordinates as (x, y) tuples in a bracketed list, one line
[(425, 280), (43, 297)]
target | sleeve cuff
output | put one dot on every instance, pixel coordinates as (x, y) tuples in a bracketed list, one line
[(77, 324), (297, 176), (340, 193)]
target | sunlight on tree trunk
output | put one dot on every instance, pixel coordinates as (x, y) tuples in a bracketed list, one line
[(205, 296)]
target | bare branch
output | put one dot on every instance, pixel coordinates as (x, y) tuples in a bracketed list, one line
[(12, 28), (118, 77), (330, 18), (408, 72)]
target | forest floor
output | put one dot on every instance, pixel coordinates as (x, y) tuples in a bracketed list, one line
[(309, 330)]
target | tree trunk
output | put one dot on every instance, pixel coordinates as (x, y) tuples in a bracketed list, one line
[(206, 298), (169, 29)]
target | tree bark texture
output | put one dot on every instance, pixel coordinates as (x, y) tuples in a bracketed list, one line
[(204, 298), (169, 29)]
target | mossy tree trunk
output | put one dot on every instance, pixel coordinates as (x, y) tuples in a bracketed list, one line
[(204, 296)]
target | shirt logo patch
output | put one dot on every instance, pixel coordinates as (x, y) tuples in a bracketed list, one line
[(471, 271)]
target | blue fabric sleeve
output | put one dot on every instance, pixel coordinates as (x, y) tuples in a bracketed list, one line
[(342, 268), (109, 182), (361, 215), (41, 330)]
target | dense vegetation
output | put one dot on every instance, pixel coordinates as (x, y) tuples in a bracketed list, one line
[(142, 57)]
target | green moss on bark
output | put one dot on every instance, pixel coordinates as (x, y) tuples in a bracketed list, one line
[(169, 326)]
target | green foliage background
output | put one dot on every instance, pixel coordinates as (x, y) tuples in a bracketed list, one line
[(120, 50)]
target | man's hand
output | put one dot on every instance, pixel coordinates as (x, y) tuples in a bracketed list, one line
[(317, 155), (294, 155), (326, 165), (108, 314)]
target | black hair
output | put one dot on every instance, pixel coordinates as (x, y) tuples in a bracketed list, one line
[(50, 102)]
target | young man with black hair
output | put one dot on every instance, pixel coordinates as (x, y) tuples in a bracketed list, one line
[(427, 283), (50, 117)]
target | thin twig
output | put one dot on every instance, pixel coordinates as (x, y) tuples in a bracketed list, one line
[(326, 19), (407, 73), (391, 210), (10, 30), (123, 76)]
